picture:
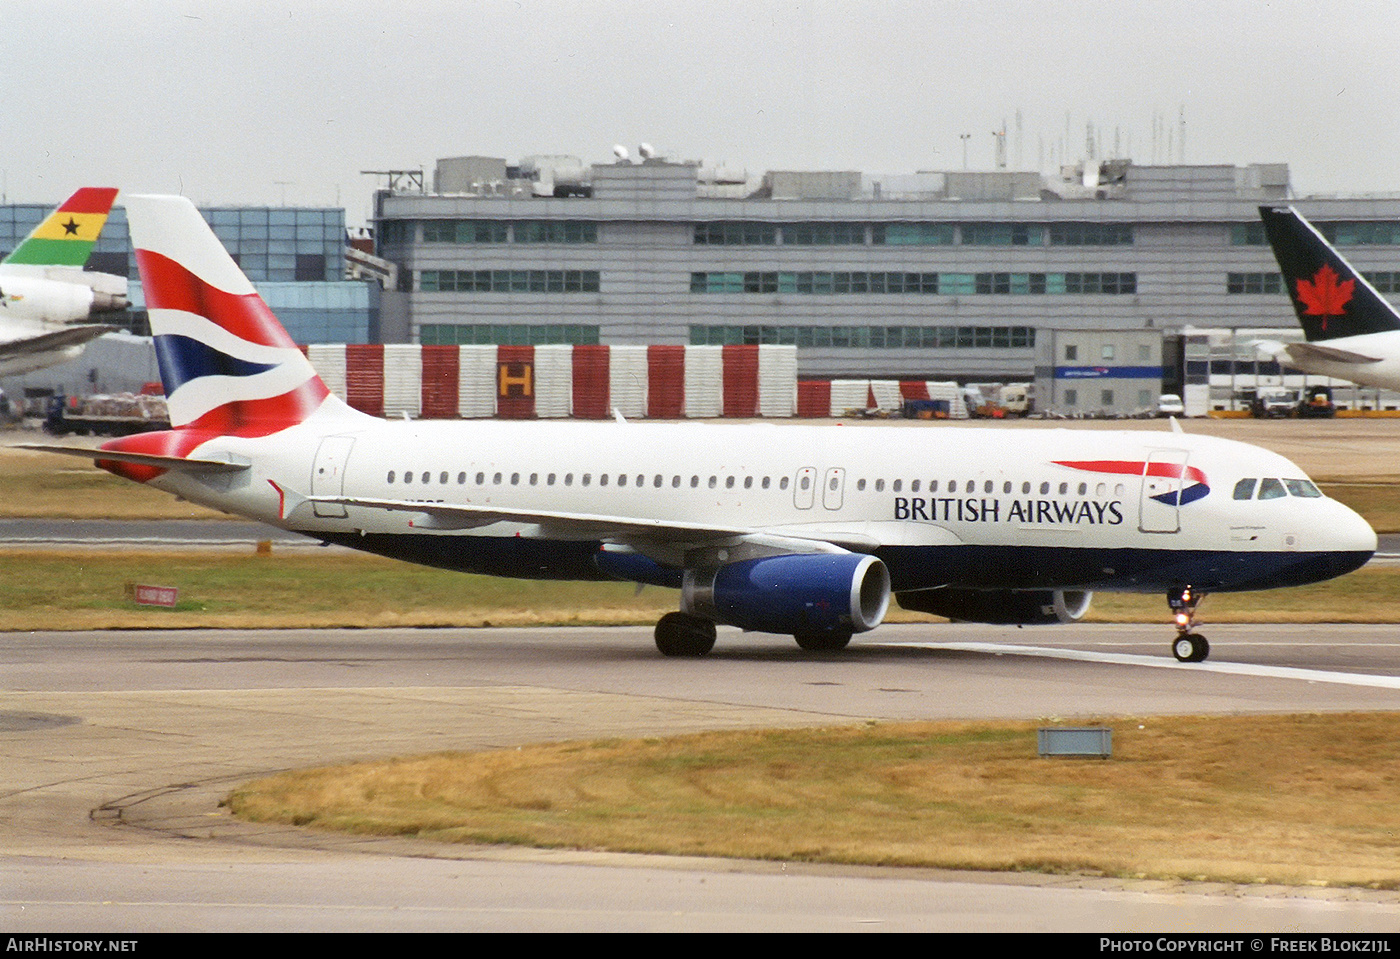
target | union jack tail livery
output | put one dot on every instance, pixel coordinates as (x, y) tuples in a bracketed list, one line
[(1332, 299), (228, 366)]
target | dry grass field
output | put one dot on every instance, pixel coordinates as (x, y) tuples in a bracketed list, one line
[(1277, 799)]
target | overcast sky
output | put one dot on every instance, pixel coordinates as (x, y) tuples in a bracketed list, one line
[(229, 101)]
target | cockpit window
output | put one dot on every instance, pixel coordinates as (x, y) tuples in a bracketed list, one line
[(1303, 488), (1244, 489), (1271, 489)]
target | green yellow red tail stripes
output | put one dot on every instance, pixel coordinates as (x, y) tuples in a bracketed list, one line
[(67, 235)]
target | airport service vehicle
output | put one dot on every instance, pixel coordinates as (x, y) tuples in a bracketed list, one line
[(107, 414), (45, 293), (1274, 403), (799, 530), (1169, 404), (1353, 333)]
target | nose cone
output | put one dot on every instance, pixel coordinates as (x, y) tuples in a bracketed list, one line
[(1348, 539)]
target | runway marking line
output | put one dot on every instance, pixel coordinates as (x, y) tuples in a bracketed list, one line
[(1157, 662)]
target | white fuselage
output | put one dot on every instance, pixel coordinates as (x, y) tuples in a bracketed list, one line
[(920, 497)]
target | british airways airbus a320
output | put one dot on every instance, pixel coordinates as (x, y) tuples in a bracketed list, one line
[(803, 530)]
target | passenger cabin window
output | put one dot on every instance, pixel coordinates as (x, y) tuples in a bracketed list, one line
[(1244, 489), (783, 483), (442, 477), (391, 476)]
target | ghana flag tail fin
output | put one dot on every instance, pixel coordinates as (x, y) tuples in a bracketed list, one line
[(67, 235)]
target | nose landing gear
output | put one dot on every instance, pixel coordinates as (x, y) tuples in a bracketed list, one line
[(1188, 647)]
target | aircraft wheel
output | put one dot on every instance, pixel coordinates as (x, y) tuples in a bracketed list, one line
[(1190, 648), (822, 642), (678, 634)]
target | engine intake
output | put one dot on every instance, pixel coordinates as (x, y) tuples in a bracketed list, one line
[(798, 593), (1001, 606)]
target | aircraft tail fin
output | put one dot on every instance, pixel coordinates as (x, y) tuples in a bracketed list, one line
[(1332, 299), (227, 364), (67, 235)]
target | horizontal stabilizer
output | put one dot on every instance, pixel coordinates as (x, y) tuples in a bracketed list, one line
[(1304, 351), (55, 340), (177, 463)]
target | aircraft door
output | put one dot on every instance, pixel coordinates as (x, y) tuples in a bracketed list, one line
[(804, 489), (328, 473), (833, 487), (1159, 509)]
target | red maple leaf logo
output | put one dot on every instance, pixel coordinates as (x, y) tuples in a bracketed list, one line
[(1324, 296)]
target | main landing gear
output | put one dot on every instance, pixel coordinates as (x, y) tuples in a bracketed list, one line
[(1188, 647), (680, 634)]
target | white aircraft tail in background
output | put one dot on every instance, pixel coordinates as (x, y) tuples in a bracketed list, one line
[(1353, 332), (45, 294)]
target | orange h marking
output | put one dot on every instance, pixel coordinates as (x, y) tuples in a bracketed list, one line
[(515, 376)]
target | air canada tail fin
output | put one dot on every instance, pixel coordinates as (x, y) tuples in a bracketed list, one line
[(66, 236), (228, 366), (1332, 299)]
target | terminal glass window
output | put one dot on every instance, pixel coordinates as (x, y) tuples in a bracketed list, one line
[(1003, 234), (556, 231), (735, 233), (1361, 234), (464, 231), (823, 234), (1091, 234), (911, 234)]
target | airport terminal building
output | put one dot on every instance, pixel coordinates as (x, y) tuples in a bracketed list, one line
[(1082, 281), (294, 255)]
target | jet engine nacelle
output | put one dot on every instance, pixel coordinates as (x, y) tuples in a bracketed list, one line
[(47, 301), (798, 593), (1001, 606)]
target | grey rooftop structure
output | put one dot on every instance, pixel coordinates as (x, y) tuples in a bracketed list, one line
[(925, 275)]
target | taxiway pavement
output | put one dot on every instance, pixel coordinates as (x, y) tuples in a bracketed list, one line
[(118, 746)]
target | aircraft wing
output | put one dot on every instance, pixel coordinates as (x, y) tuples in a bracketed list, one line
[(1304, 351), (54, 340), (652, 537)]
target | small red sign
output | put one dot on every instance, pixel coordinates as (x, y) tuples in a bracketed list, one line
[(155, 595)]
